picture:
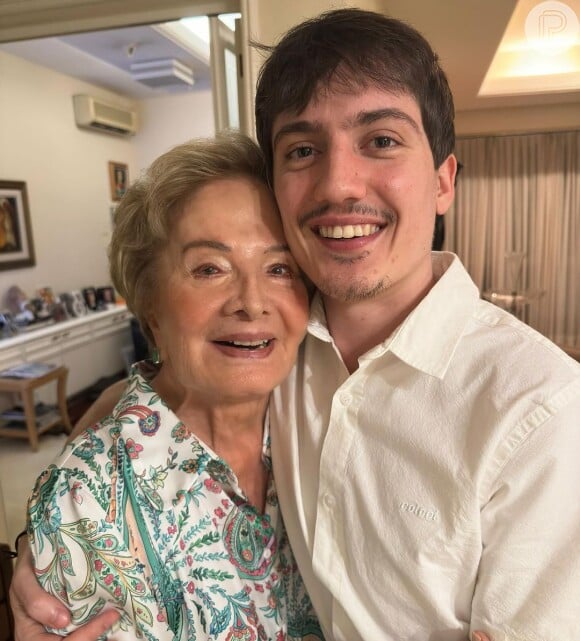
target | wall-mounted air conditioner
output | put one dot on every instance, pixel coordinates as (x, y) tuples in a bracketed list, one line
[(98, 115)]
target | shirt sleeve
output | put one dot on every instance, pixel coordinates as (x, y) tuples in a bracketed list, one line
[(528, 586), (81, 556)]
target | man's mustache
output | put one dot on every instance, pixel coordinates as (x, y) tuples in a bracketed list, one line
[(385, 216)]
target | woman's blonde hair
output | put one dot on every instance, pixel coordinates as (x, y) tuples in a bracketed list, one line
[(144, 215)]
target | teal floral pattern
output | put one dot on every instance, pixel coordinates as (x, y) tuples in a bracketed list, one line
[(139, 515)]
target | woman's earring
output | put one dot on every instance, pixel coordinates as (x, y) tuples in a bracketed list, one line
[(155, 356)]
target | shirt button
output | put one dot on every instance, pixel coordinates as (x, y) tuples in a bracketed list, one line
[(267, 553), (328, 501), (345, 398)]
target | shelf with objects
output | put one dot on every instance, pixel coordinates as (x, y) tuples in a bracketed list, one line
[(91, 346), (85, 333)]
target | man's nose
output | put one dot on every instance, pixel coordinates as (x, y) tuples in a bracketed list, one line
[(341, 177), (249, 298)]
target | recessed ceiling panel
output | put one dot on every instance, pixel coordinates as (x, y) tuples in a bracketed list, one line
[(539, 52)]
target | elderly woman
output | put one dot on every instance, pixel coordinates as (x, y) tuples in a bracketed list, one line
[(166, 510)]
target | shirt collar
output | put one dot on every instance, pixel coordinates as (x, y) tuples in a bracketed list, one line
[(317, 325), (427, 338), (167, 460)]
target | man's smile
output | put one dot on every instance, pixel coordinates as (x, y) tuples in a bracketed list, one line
[(347, 231)]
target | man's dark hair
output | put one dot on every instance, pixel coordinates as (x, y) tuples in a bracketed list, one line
[(355, 49)]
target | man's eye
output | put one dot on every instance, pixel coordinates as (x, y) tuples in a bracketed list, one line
[(384, 142), (301, 152)]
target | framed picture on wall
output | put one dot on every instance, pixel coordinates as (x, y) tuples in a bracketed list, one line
[(118, 179), (16, 246)]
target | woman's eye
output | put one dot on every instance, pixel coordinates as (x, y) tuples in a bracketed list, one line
[(206, 270), (282, 270)]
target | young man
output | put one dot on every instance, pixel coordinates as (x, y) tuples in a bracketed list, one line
[(426, 441)]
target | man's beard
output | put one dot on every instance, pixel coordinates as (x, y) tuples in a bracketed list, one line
[(353, 292)]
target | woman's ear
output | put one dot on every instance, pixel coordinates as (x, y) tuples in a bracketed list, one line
[(154, 332)]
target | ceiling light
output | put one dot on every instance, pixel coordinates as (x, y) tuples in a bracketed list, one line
[(539, 51), (162, 73)]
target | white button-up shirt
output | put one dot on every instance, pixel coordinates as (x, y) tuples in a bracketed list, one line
[(435, 490)]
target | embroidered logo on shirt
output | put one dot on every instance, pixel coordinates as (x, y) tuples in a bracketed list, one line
[(419, 511)]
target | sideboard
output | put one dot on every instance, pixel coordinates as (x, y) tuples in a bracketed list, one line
[(92, 346)]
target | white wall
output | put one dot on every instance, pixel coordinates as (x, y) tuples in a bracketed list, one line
[(66, 169), (166, 121), (268, 20), (517, 120), (66, 173)]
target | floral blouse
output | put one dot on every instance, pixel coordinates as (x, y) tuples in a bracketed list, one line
[(139, 515)]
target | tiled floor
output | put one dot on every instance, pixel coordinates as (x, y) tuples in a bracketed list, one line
[(19, 468)]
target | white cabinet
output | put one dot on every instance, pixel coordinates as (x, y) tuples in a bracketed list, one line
[(10, 356), (91, 347)]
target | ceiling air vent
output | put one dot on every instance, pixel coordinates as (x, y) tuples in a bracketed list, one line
[(162, 73)]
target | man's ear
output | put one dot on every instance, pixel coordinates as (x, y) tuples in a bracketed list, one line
[(446, 183)]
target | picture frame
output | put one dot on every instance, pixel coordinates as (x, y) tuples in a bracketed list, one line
[(118, 179), (16, 244)]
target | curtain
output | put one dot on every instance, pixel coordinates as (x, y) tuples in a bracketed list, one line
[(521, 195)]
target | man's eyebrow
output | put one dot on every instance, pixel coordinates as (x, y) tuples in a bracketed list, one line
[(369, 117), (361, 118), (296, 127)]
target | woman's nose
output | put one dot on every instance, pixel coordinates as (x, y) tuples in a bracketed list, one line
[(340, 177), (249, 298)]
